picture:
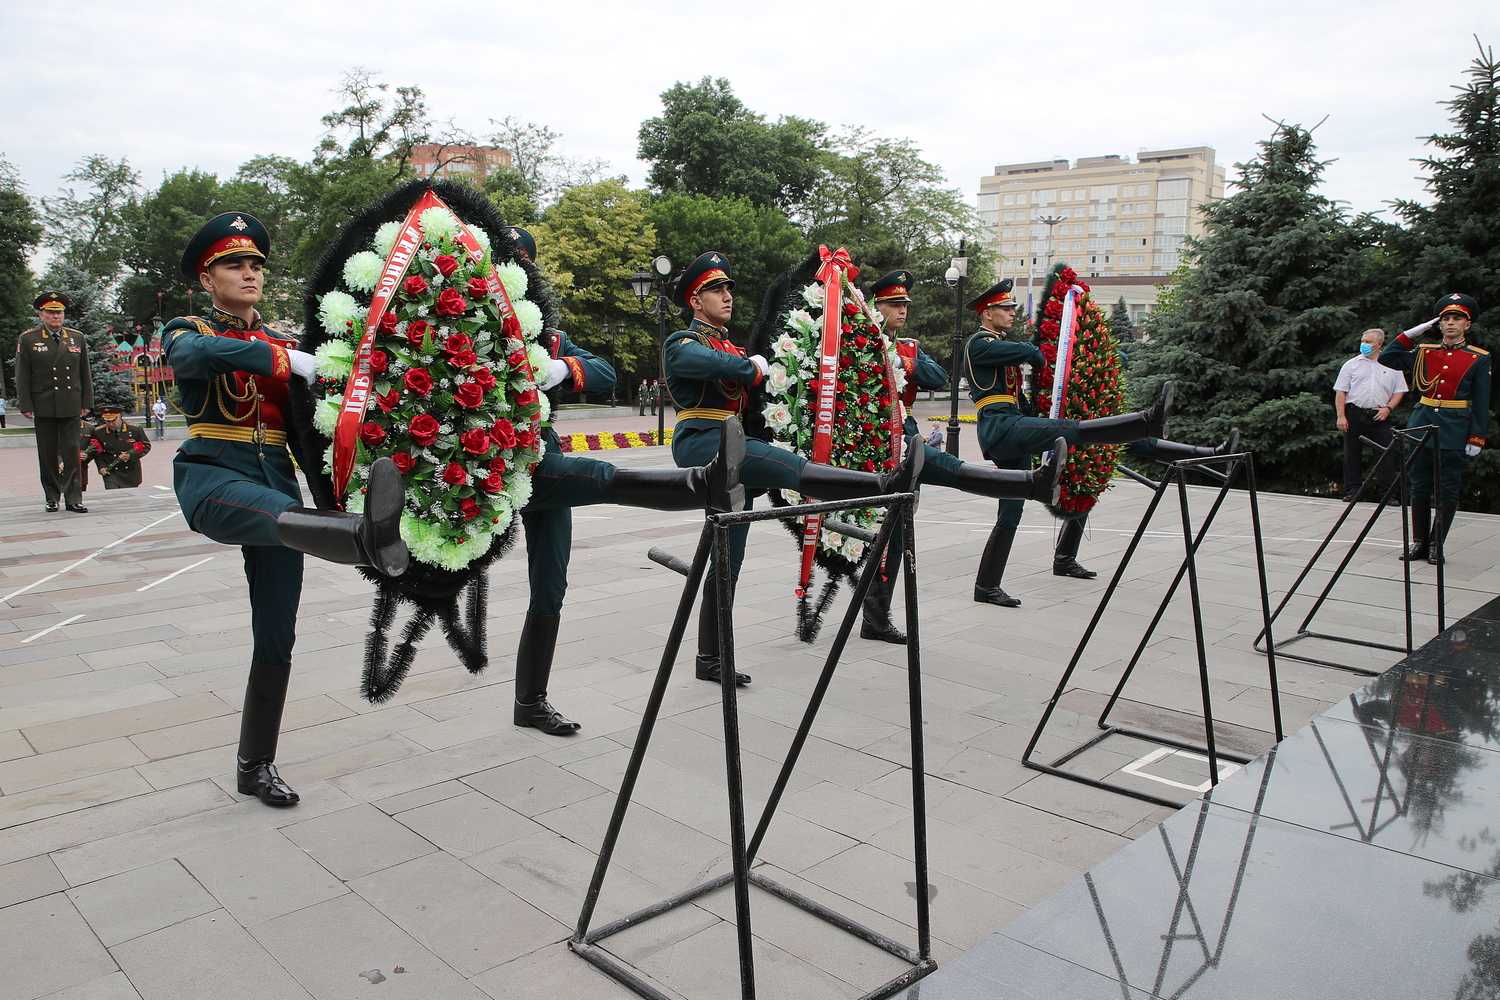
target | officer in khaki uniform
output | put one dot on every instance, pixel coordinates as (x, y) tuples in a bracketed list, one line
[(116, 447), (54, 389)]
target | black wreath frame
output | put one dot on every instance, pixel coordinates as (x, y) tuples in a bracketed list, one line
[(434, 592)]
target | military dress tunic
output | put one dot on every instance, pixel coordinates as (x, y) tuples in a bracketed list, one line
[(558, 479), (922, 372), (1452, 383), (116, 450), (53, 384)]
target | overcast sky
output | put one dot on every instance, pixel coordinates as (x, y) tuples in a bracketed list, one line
[(210, 85)]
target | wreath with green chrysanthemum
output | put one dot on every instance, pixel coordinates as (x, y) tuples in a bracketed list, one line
[(455, 404)]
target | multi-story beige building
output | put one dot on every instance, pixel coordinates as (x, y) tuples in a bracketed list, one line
[(476, 162), (1120, 223)]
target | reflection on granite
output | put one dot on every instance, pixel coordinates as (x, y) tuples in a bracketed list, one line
[(1224, 903), (999, 968), (1385, 786), (1456, 705)]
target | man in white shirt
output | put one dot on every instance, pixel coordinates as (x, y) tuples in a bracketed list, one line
[(1365, 393), (159, 411)]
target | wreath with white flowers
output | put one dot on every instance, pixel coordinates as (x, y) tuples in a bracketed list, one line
[(452, 401), (866, 423), (455, 403)]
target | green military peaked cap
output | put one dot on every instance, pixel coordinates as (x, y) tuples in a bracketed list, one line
[(709, 270), (893, 287), (224, 237)]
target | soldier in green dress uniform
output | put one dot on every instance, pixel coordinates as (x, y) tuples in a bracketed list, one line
[(1452, 382), (116, 447), (549, 527), (891, 295), (54, 389), (234, 480), (1009, 437), (710, 378)]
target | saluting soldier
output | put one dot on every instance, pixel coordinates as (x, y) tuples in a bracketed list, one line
[(710, 378), (1452, 381), (1009, 435), (116, 447), (54, 389), (234, 478)]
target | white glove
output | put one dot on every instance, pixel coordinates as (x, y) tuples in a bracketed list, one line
[(1472, 450), (557, 370), (304, 365), (761, 364)]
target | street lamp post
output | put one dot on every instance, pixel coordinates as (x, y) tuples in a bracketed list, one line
[(643, 282), (957, 271)]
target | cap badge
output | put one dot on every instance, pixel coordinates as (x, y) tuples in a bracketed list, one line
[(715, 259), (239, 224)]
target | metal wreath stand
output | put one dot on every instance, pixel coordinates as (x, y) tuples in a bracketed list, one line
[(1177, 472), (1405, 449), (714, 541)]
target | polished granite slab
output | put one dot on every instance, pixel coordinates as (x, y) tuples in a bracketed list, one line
[(1224, 903), (1360, 858)]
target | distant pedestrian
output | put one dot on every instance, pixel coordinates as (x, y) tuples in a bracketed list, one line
[(640, 396), (159, 412), (1365, 393), (2, 413)]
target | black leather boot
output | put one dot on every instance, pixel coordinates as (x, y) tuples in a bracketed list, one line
[(705, 487), (1421, 524), (1447, 512), (370, 539), (828, 482), (987, 589), (533, 669), (707, 666), (876, 623), (1171, 451), (1065, 556), (1041, 485), (260, 729), (1129, 427)]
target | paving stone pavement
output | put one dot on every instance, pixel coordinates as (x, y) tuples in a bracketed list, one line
[(440, 852)]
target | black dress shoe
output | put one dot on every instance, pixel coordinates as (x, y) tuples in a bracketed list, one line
[(1072, 568), (77, 508), (708, 669), (52, 506), (541, 715), (1419, 552), (997, 596), (882, 631), (262, 780)]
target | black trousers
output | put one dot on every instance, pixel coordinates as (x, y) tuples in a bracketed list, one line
[(1362, 423)]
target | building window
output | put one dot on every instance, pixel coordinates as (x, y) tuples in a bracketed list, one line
[(1175, 187)]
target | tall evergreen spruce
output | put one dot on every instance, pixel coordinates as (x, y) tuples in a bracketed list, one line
[(1453, 245), (1120, 323), (1277, 291)]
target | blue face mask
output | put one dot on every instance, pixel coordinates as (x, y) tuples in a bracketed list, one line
[(1367, 349)]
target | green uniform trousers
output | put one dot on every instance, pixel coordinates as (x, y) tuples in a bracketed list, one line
[(559, 483), (57, 458), (1450, 488)]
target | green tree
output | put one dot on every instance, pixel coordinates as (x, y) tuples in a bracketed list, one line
[(1120, 323), (1279, 284), (759, 240), (707, 142), (514, 197), (86, 222), (1453, 244), (20, 231), (590, 243)]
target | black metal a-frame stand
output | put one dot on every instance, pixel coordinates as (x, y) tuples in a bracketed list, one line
[(715, 540), (1404, 450), (1177, 472)]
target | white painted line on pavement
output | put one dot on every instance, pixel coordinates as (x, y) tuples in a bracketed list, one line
[(1136, 768), (159, 486), (169, 576), (49, 628), (91, 555)]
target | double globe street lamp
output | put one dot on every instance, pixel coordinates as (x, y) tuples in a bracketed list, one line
[(642, 283)]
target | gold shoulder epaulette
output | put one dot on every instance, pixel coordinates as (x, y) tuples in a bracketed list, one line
[(1477, 350)]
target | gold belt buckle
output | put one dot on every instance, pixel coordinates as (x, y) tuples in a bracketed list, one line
[(258, 435)]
